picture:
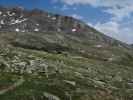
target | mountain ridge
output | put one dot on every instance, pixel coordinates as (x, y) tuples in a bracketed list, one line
[(21, 12)]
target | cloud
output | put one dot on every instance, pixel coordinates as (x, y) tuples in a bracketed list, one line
[(118, 8), (108, 27), (65, 7), (120, 13), (72, 2), (77, 16), (116, 30)]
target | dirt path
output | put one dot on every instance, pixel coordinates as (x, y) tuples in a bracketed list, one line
[(15, 85)]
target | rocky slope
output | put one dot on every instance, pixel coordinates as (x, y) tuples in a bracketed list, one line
[(46, 56)]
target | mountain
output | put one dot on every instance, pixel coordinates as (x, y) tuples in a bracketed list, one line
[(46, 56)]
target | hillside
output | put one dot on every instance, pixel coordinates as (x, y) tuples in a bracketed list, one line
[(47, 56)]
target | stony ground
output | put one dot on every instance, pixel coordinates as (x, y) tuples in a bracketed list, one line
[(37, 75)]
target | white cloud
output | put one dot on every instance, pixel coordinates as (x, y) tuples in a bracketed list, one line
[(116, 30), (65, 7), (120, 13), (108, 27), (90, 24), (77, 16), (71, 2), (118, 8)]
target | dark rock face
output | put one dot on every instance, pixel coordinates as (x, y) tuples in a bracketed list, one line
[(36, 21), (20, 20)]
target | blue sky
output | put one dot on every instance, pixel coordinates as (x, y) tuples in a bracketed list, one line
[(112, 17)]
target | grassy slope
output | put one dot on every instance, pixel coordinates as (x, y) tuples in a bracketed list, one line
[(68, 77)]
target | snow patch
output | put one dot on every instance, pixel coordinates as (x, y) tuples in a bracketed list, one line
[(99, 46), (4, 15), (58, 30), (0, 13), (21, 16), (2, 22), (53, 18), (74, 30), (49, 16), (18, 21), (17, 30), (36, 29), (23, 30), (37, 24), (10, 14)]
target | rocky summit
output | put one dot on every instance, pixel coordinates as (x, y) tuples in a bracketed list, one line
[(46, 56)]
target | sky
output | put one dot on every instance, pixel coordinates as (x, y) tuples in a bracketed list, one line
[(112, 17)]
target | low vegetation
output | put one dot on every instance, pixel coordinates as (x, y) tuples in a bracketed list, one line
[(54, 76)]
